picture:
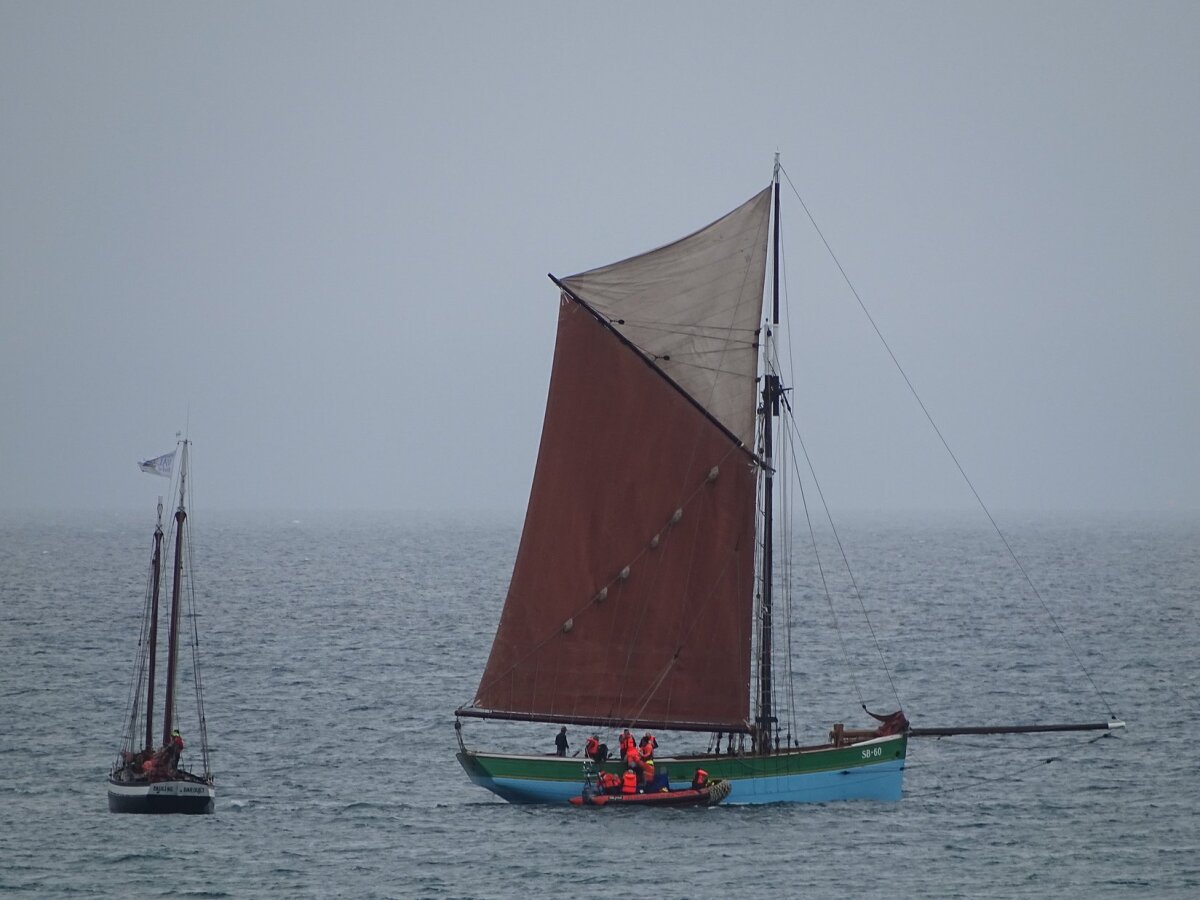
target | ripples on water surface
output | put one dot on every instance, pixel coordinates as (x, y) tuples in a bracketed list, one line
[(336, 646)]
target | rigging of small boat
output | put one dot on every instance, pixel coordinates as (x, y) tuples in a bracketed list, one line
[(644, 588), (148, 775)]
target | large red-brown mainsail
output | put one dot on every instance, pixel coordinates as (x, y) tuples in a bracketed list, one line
[(631, 596)]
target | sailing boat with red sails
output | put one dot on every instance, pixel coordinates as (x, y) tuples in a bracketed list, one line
[(149, 776), (644, 586)]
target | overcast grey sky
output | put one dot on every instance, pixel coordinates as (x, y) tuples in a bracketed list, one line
[(322, 232)]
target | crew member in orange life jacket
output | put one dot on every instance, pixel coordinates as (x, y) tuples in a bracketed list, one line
[(592, 747), (647, 746), (634, 760), (629, 782), (648, 775), (627, 743)]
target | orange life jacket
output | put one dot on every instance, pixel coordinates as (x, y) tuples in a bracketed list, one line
[(629, 782), (647, 746), (592, 747)]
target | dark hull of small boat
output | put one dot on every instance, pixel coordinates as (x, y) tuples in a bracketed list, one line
[(706, 796), (161, 797)]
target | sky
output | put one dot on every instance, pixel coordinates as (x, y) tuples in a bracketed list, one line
[(316, 236)]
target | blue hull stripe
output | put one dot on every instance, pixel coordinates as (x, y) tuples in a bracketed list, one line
[(882, 781)]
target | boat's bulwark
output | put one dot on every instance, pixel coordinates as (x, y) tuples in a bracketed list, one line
[(872, 770), (161, 797)]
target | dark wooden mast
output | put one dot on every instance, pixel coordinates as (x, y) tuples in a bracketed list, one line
[(770, 404), (156, 574), (176, 586)]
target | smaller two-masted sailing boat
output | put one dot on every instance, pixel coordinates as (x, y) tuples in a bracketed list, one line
[(643, 588), (149, 776)]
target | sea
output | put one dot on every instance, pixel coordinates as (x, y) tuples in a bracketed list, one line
[(335, 648)]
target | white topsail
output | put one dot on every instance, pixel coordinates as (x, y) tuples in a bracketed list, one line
[(693, 307)]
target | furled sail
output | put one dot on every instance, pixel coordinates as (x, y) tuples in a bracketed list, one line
[(630, 601)]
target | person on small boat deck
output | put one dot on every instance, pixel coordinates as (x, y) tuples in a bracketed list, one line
[(647, 746), (633, 760), (176, 749), (629, 782), (560, 741), (596, 751), (627, 743)]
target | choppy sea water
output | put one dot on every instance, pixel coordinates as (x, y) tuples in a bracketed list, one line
[(336, 646)]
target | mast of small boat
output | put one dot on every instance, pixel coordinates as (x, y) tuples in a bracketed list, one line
[(770, 408), (173, 640), (156, 575)]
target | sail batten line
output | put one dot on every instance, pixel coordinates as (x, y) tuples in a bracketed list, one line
[(690, 329)]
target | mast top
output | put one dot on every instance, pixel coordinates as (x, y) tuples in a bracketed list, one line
[(182, 472), (775, 172)]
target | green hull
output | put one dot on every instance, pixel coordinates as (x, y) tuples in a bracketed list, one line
[(868, 770)]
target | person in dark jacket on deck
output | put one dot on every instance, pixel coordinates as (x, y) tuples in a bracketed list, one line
[(560, 741)]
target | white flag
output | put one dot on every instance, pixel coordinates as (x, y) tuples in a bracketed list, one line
[(160, 465)]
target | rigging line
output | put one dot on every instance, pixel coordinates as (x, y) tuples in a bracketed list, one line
[(736, 344), (791, 418), (715, 332), (786, 564), (716, 369), (197, 683), (134, 700), (675, 354), (785, 450), (945, 443), (824, 581), (788, 593), (198, 686), (841, 549)]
